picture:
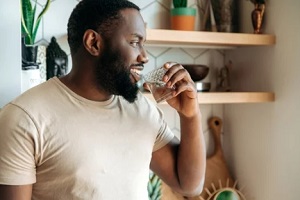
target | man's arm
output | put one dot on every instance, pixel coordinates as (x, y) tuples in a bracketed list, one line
[(15, 192), (17, 149), (182, 164)]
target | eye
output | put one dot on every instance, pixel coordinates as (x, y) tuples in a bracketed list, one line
[(134, 43)]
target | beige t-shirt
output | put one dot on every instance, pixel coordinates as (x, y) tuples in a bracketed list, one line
[(74, 148)]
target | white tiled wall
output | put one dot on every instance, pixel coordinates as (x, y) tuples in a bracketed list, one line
[(156, 15)]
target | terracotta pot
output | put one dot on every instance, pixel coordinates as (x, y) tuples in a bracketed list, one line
[(183, 18)]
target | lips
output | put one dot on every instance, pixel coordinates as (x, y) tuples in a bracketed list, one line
[(136, 72)]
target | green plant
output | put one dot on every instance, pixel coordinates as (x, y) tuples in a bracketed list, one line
[(154, 187), (179, 3), (29, 23)]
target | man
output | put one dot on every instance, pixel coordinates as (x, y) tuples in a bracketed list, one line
[(91, 134)]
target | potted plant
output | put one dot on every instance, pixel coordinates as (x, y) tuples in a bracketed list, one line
[(31, 75), (182, 17), (29, 26)]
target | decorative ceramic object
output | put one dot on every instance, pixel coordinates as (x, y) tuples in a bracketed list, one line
[(41, 59), (257, 15), (33, 66), (197, 72), (226, 15), (224, 78), (30, 77), (57, 60), (182, 17)]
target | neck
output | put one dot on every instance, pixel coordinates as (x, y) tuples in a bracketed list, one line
[(81, 80)]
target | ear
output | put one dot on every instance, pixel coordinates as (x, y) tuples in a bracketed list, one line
[(92, 42)]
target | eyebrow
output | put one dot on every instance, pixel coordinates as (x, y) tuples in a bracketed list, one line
[(139, 36)]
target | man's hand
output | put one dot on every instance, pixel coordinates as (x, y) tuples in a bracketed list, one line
[(185, 95), (181, 164)]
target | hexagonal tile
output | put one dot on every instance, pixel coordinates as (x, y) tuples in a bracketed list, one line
[(56, 18), (156, 51), (142, 4), (174, 55), (150, 65), (194, 52), (166, 3), (192, 3), (63, 43), (156, 16)]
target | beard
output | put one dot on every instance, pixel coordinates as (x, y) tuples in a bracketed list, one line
[(113, 76)]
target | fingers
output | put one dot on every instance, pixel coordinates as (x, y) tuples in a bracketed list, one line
[(182, 86), (146, 87), (177, 75)]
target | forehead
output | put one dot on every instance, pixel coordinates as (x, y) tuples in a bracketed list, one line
[(132, 22)]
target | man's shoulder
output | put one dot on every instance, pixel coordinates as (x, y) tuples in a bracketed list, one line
[(37, 95)]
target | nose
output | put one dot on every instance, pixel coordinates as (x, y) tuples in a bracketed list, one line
[(143, 58)]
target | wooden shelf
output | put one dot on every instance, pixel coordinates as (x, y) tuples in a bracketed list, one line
[(230, 97), (201, 39), (213, 40)]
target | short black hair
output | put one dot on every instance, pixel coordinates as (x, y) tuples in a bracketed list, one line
[(98, 15)]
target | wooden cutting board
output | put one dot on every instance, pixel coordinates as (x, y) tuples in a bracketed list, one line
[(217, 171)]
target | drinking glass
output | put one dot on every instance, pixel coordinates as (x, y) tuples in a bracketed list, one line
[(155, 84)]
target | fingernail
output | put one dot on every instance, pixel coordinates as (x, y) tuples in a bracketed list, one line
[(166, 78), (169, 84)]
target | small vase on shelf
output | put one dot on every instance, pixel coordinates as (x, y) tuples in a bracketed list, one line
[(257, 17)]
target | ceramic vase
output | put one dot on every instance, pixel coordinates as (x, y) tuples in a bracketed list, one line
[(225, 13), (33, 66), (257, 17)]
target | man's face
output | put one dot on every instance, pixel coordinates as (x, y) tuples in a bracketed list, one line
[(123, 55)]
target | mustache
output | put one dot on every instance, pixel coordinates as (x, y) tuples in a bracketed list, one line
[(138, 65)]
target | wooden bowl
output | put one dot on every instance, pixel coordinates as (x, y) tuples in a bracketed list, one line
[(196, 71)]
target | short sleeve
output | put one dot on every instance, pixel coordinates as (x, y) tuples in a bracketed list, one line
[(17, 147), (164, 137)]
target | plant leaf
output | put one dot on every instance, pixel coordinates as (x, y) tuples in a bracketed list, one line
[(38, 20), (179, 3), (33, 17), (26, 20)]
